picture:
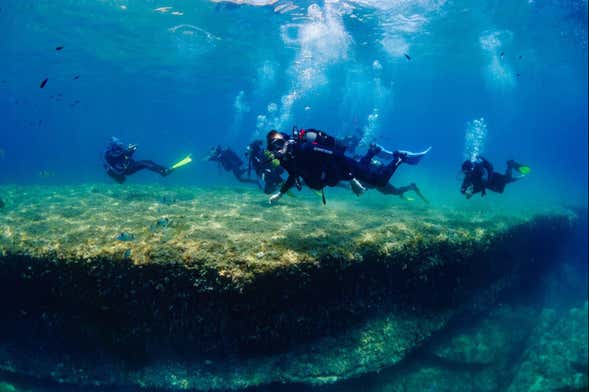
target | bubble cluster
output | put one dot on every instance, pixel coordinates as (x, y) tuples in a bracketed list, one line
[(475, 138)]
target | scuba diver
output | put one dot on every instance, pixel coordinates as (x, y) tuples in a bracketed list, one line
[(479, 176), (390, 189), (119, 162), (351, 142), (228, 159), (319, 160), (268, 170)]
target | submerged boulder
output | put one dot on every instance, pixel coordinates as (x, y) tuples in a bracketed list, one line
[(556, 358), (231, 293)]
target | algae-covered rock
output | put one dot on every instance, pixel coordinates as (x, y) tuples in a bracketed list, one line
[(491, 341), (231, 293), (557, 356)]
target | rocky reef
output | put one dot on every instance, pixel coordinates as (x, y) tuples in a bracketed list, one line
[(193, 288)]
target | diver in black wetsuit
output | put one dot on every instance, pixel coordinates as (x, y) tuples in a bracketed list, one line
[(390, 189), (268, 170), (479, 176), (119, 162), (228, 159), (351, 142), (319, 160)]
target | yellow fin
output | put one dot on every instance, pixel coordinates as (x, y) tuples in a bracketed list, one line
[(183, 162)]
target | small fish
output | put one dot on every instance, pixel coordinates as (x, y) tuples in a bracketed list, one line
[(76, 77), (127, 253), (43, 83), (160, 224), (163, 222), (125, 236), (59, 48), (407, 56), (520, 57), (518, 75), (163, 10)]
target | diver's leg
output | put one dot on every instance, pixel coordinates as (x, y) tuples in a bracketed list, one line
[(372, 175), (511, 165), (417, 191), (120, 178), (384, 173), (136, 166), (238, 172), (269, 187), (389, 189), (372, 151), (497, 182)]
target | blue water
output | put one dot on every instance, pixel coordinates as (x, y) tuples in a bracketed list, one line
[(178, 77), (181, 79)]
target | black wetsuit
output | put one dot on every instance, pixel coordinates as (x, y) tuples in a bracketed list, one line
[(388, 188), (270, 177), (322, 164), (482, 177), (351, 142), (230, 162), (119, 163)]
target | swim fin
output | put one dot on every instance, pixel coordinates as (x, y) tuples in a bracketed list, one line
[(182, 162), (412, 158), (524, 170), (421, 196)]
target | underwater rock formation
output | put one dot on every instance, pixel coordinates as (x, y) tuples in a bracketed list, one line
[(556, 359), (230, 293)]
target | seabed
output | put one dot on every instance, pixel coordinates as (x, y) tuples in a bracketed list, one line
[(203, 288)]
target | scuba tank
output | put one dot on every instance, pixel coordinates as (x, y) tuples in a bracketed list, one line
[(325, 142)]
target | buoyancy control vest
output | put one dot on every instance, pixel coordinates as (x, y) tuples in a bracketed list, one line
[(321, 141)]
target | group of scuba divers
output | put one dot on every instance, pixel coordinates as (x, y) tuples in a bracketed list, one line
[(316, 159)]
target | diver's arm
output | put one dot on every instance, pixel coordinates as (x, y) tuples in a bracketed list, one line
[(128, 153), (487, 165), (290, 181)]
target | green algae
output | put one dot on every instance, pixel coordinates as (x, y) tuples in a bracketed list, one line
[(556, 358), (234, 232), (514, 347), (341, 290)]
